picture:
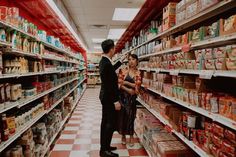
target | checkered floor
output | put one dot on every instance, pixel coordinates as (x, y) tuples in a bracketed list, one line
[(80, 138)]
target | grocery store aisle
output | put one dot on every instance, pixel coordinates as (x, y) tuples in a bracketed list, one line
[(80, 138)]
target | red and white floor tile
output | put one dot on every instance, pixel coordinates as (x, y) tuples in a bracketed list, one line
[(80, 137)]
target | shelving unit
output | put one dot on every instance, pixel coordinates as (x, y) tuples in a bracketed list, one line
[(209, 73), (215, 10), (62, 124), (215, 117), (160, 59)]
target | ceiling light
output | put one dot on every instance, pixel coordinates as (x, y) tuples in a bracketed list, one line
[(125, 14), (98, 47), (98, 40), (115, 33)]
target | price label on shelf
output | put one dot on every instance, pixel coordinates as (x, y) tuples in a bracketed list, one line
[(148, 70), (206, 74), (157, 70), (174, 72)]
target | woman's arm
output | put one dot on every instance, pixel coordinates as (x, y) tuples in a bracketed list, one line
[(128, 90), (126, 83)]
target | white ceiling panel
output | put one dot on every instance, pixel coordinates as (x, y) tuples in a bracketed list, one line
[(87, 13)]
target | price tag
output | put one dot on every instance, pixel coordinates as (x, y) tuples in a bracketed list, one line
[(206, 74), (157, 70), (174, 72), (148, 70)]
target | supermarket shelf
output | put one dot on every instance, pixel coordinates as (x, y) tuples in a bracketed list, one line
[(5, 144), (4, 76), (21, 103), (193, 146), (218, 41), (62, 124), (37, 39), (58, 59), (200, 17), (21, 53), (3, 43), (215, 117), (17, 29), (44, 93), (201, 73), (60, 100)]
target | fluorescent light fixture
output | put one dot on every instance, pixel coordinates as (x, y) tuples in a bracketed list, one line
[(54, 7), (115, 33), (98, 40), (98, 47), (125, 14)]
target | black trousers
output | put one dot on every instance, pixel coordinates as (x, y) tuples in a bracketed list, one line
[(108, 125)]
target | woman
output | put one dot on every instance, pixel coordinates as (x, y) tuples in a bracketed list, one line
[(129, 83)]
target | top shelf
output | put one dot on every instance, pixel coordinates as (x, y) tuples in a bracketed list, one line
[(215, 10), (36, 39)]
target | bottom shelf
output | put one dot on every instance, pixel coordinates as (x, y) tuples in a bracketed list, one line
[(192, 145), (63, 123), (144, 146)]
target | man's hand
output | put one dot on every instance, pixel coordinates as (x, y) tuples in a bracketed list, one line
[(117, 106)]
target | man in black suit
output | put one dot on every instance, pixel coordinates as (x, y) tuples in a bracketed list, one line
[(109, 96)]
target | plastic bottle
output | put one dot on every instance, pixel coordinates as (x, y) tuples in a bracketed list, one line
[(14, 40), (2, 35)]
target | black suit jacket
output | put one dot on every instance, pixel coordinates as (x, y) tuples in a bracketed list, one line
[(109, 93)]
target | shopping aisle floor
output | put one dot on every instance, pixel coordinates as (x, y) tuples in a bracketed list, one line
[(81, 135)]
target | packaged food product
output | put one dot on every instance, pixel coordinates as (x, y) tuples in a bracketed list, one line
[(220, 64), (230, 64), (181, 6), (218, 130), (191, 9), (228, 147), (199, 54), (210, 64), (228, 25), (211, 31), (220, 52), (230, 135), (208, 53), (3, 13), (169, 10), (180, 16), (231, 51), (204, 4), (168, 22)]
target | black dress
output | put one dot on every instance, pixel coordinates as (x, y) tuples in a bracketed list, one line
[(127, 114)]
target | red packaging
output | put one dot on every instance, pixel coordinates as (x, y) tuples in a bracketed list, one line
[(13, 12), (217, 140), (228, 147), (3, 13), (218, 130), (230, 135), (215, 150), (222, 154)]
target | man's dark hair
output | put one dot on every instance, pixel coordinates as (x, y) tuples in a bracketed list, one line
[(107, 45)]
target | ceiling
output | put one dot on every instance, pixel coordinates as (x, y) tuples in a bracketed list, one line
[(93, 18)]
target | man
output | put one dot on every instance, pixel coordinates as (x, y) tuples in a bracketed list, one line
[(109, 97)]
